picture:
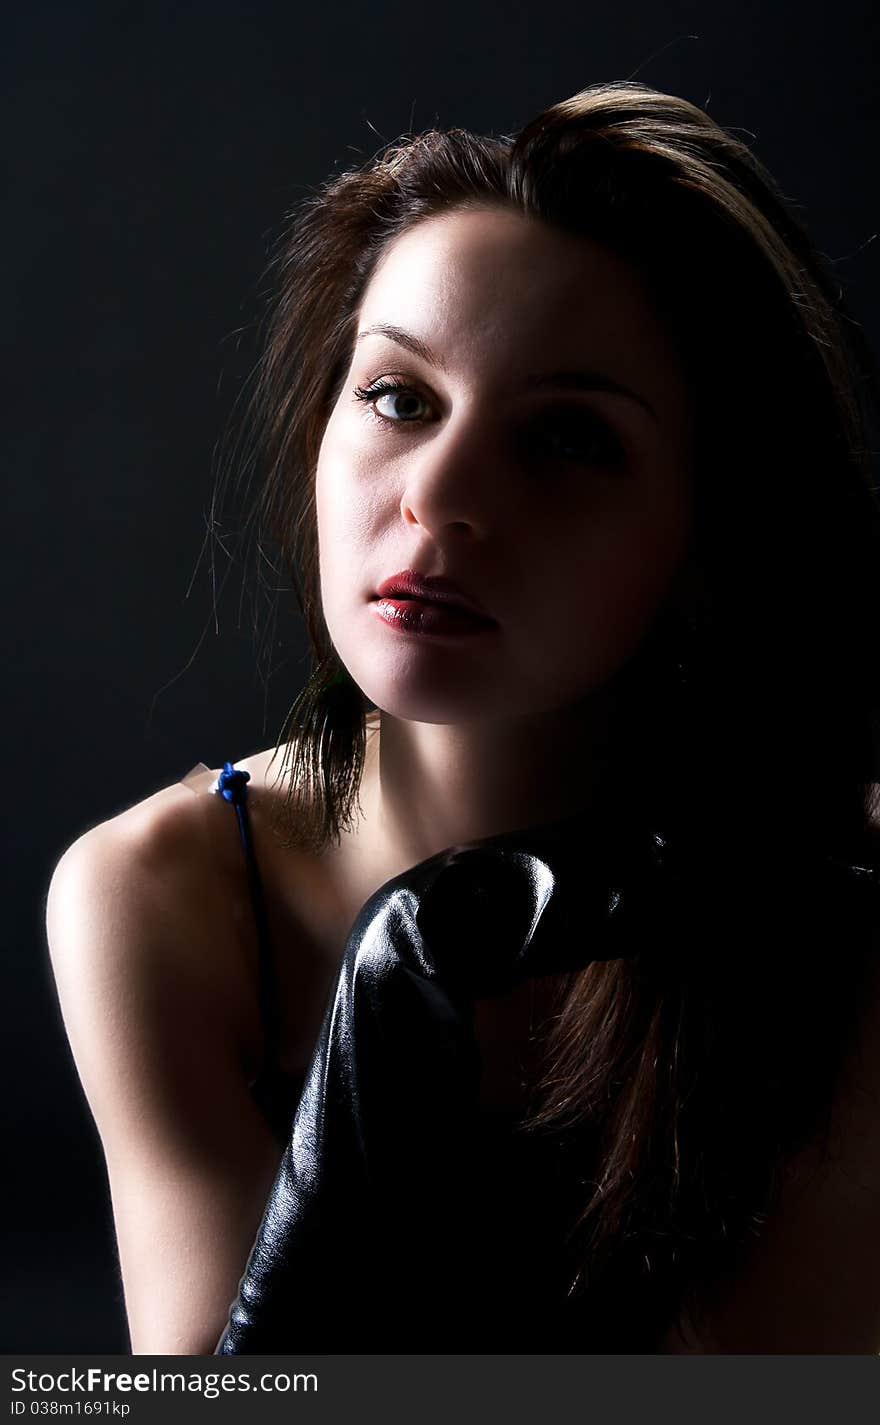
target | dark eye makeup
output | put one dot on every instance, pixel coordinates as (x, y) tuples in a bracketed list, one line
[(566, 433)]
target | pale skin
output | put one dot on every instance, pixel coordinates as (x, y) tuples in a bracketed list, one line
[(503, 485)]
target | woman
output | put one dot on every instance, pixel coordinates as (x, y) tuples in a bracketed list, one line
[(564, 443)]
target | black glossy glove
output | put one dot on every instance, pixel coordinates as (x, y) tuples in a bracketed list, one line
[(400, 1218)]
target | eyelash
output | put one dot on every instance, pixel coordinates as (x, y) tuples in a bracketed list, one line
[(379, 388), (611, 456)]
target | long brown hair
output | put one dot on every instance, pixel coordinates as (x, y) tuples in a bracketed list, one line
[(689, 1070)]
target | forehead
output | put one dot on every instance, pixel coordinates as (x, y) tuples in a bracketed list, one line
[(492, 288)]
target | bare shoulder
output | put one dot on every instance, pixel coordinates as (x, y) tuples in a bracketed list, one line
[(153, 901), (167, 854), (161, 891), (168, 830)]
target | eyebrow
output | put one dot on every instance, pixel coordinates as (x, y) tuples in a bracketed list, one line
[(568, 380)]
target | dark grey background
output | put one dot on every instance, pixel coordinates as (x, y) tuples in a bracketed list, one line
[(152, 152)]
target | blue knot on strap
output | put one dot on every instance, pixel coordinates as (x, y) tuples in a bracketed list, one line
[(231, 783)]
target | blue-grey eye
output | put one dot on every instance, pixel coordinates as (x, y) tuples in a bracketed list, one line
[(404, 397)]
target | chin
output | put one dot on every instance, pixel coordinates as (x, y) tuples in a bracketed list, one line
[(416, 697), (411, 706)]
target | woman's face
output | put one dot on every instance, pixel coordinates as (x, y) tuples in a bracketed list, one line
[(537, 455)]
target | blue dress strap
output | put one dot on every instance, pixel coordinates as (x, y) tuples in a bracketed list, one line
[(232, 787)]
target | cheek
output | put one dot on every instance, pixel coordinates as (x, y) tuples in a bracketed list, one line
[(602, 582), (329, 515), (324, 510), (348, 521), (336, 500), (642, 567), (614, 553), (347, 484)]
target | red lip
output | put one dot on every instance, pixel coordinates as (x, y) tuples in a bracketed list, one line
[(431, 588)]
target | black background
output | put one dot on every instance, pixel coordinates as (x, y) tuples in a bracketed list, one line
[(151, 153)]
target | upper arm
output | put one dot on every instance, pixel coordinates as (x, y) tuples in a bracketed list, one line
[(153, 988)]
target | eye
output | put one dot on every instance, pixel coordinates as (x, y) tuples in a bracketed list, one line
[(404, 406), (577, 437)]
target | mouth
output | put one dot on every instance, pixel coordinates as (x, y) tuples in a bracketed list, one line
[(411, 591), (430, 616)]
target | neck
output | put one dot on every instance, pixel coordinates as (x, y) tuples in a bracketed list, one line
[(427, 786)]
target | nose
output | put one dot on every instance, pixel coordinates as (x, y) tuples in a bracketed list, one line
[(453, 482)]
